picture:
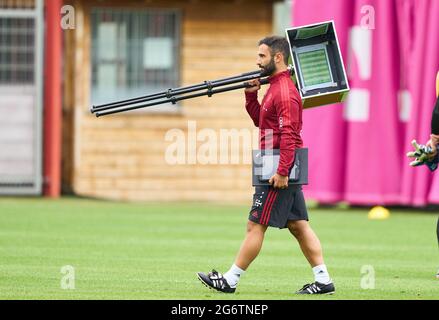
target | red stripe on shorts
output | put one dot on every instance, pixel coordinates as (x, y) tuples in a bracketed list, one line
[(266, 205), (269, 209)]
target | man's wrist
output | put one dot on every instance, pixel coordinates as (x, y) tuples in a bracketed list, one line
[(282, 172), (251, 95)]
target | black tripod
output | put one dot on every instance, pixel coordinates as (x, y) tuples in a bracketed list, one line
[(178, 94)]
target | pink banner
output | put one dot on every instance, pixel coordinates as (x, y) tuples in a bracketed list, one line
[(357, 149)]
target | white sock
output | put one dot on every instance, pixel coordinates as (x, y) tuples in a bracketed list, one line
[(321, 274), (232, 276)]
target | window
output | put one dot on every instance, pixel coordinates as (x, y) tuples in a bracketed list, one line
[(134, 53), (17, 50), (282, 16)]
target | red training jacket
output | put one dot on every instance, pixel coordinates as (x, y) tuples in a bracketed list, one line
[(281, 114)]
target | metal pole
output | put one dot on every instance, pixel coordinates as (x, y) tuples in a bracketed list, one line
[(172, 92), (176, 99)]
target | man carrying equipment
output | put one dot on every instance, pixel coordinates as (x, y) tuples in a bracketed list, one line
[(280, 205)]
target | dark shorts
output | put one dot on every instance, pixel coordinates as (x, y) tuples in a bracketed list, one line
[(275, 207)]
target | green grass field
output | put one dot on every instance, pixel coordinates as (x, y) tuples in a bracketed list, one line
[(152, 251)]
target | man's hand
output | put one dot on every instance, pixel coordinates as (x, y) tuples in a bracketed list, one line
[(256, 85), (278, 181)]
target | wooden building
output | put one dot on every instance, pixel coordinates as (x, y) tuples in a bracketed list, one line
[(123, 156)]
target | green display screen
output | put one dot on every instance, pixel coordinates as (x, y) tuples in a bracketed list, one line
[(314, 67)]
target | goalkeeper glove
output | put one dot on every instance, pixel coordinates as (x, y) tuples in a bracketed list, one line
[(422, 155)]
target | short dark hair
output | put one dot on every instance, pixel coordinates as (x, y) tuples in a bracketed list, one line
[(277, 44)]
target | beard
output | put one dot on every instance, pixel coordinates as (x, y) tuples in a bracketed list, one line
[(269, 69)]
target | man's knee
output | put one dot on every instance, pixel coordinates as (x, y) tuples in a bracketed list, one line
[(255, 227), (297, 228)]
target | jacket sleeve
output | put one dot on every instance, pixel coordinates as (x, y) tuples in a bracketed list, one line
[(288, 112), (252, 105)]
